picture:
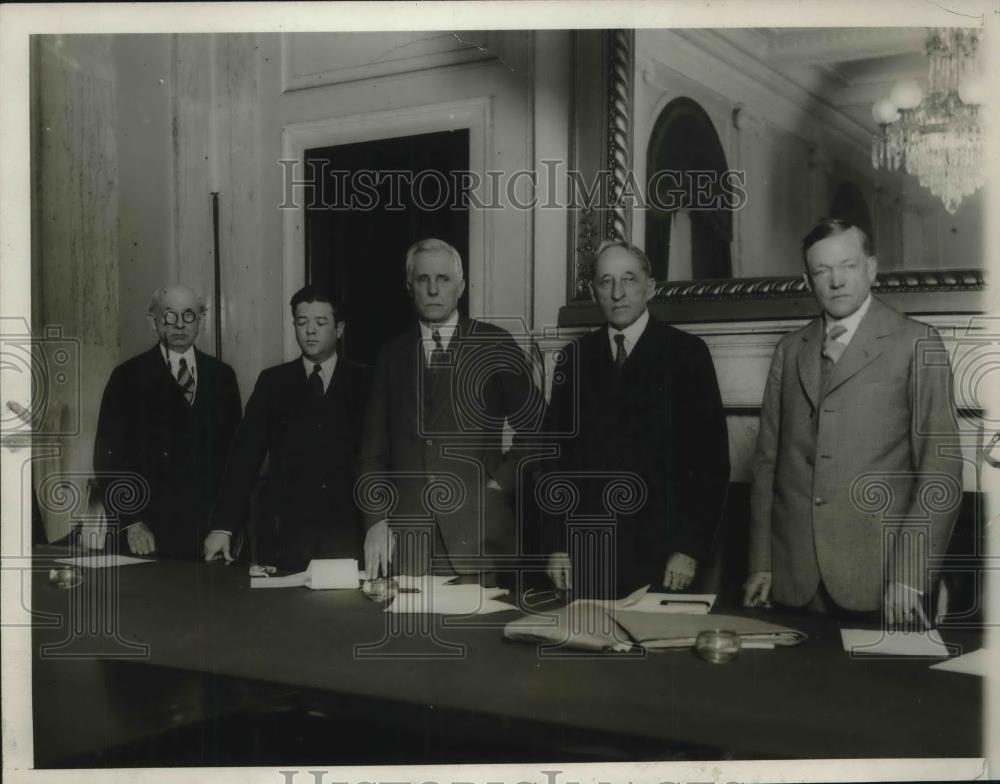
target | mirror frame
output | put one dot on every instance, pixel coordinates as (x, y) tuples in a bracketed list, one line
[(933, 291)]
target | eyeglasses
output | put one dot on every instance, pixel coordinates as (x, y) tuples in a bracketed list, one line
[(630, 284), (170, 318)]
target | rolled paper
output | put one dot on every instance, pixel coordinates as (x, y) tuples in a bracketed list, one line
[(327, 573)]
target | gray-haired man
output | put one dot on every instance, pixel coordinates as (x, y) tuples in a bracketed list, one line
[(168, 415), (440, 396)]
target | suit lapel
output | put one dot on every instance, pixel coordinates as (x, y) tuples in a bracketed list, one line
[(164, 380), (808, 360), (864, 347)]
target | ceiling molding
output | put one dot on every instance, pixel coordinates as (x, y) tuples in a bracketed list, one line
[(825, 45), (719, 61)]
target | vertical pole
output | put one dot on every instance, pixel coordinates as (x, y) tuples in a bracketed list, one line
[(217, 262)]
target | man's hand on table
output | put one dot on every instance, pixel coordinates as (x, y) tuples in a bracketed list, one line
[(560, 571), (679, 572), (904, 607), (757, 590), (140, 539), (217, 545), (379, 549)]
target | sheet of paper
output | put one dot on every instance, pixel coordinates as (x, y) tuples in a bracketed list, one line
[(863, 642), (975, 663), (103, 561), (451, 600), (425, 581), (287, 581)]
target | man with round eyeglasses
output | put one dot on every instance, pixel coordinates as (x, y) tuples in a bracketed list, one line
[(167, 421)]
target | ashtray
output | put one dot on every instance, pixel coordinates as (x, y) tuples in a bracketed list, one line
[(717, 646), (381, 589), (65, 577)]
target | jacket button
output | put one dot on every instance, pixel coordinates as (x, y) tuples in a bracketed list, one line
[(166, 454), (820, 501), (429, 442)]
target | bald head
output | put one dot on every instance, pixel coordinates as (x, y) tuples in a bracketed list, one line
[(175, 313)]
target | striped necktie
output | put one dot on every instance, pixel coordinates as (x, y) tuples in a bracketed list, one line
[(833, 348), (186, 380), (439, 356)]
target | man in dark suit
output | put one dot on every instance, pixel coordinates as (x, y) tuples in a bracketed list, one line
[(440, 396), (305, 416), (857, 410), (647, 406), (168, 415)]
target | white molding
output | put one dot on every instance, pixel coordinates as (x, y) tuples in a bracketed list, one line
[(475, 114), (388, 66), (837, 44), (742, 351)]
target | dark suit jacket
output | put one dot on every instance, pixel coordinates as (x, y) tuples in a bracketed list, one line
[(434, 440), (308, 509), (147, 427), (663, 424), (836, 478)]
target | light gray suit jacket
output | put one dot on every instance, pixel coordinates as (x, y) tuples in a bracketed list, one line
[(858, 487)]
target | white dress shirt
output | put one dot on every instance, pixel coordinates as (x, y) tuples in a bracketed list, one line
[(632, 334), (446, 329), (325, 369), (849, 323), (173, 361)]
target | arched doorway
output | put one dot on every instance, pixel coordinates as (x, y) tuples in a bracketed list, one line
[(684, 142)]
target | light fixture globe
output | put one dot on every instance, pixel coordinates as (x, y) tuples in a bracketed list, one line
[(973, 90), (884, 111), (906, 94)]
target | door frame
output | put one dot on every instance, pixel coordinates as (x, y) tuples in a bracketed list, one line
[(474, 114)]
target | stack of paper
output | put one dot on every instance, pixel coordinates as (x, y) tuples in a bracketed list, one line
[(670, 603), (879, 642), (589, 626)]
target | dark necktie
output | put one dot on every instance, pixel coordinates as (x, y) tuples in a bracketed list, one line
[(316, 382), (620, 355), (186, 380), (438, 355)]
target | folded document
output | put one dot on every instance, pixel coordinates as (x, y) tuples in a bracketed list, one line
[(591, 626), (435, 594)]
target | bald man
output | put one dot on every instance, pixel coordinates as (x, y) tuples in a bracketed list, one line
[(168, 415)]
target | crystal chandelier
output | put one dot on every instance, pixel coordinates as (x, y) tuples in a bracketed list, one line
[(937, 137)]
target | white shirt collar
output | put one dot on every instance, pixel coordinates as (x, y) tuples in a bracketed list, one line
[(446, 329), (850, 323), (326, 368), (632, 333), (173, 360)]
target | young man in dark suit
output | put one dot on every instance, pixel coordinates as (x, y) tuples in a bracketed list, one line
[(647, 408), (305, 417), (168, 415), (440, 396)]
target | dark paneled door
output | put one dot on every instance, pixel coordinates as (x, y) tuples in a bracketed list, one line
[(372, 200)]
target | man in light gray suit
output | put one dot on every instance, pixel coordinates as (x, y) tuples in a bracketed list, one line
[(853, 485)]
